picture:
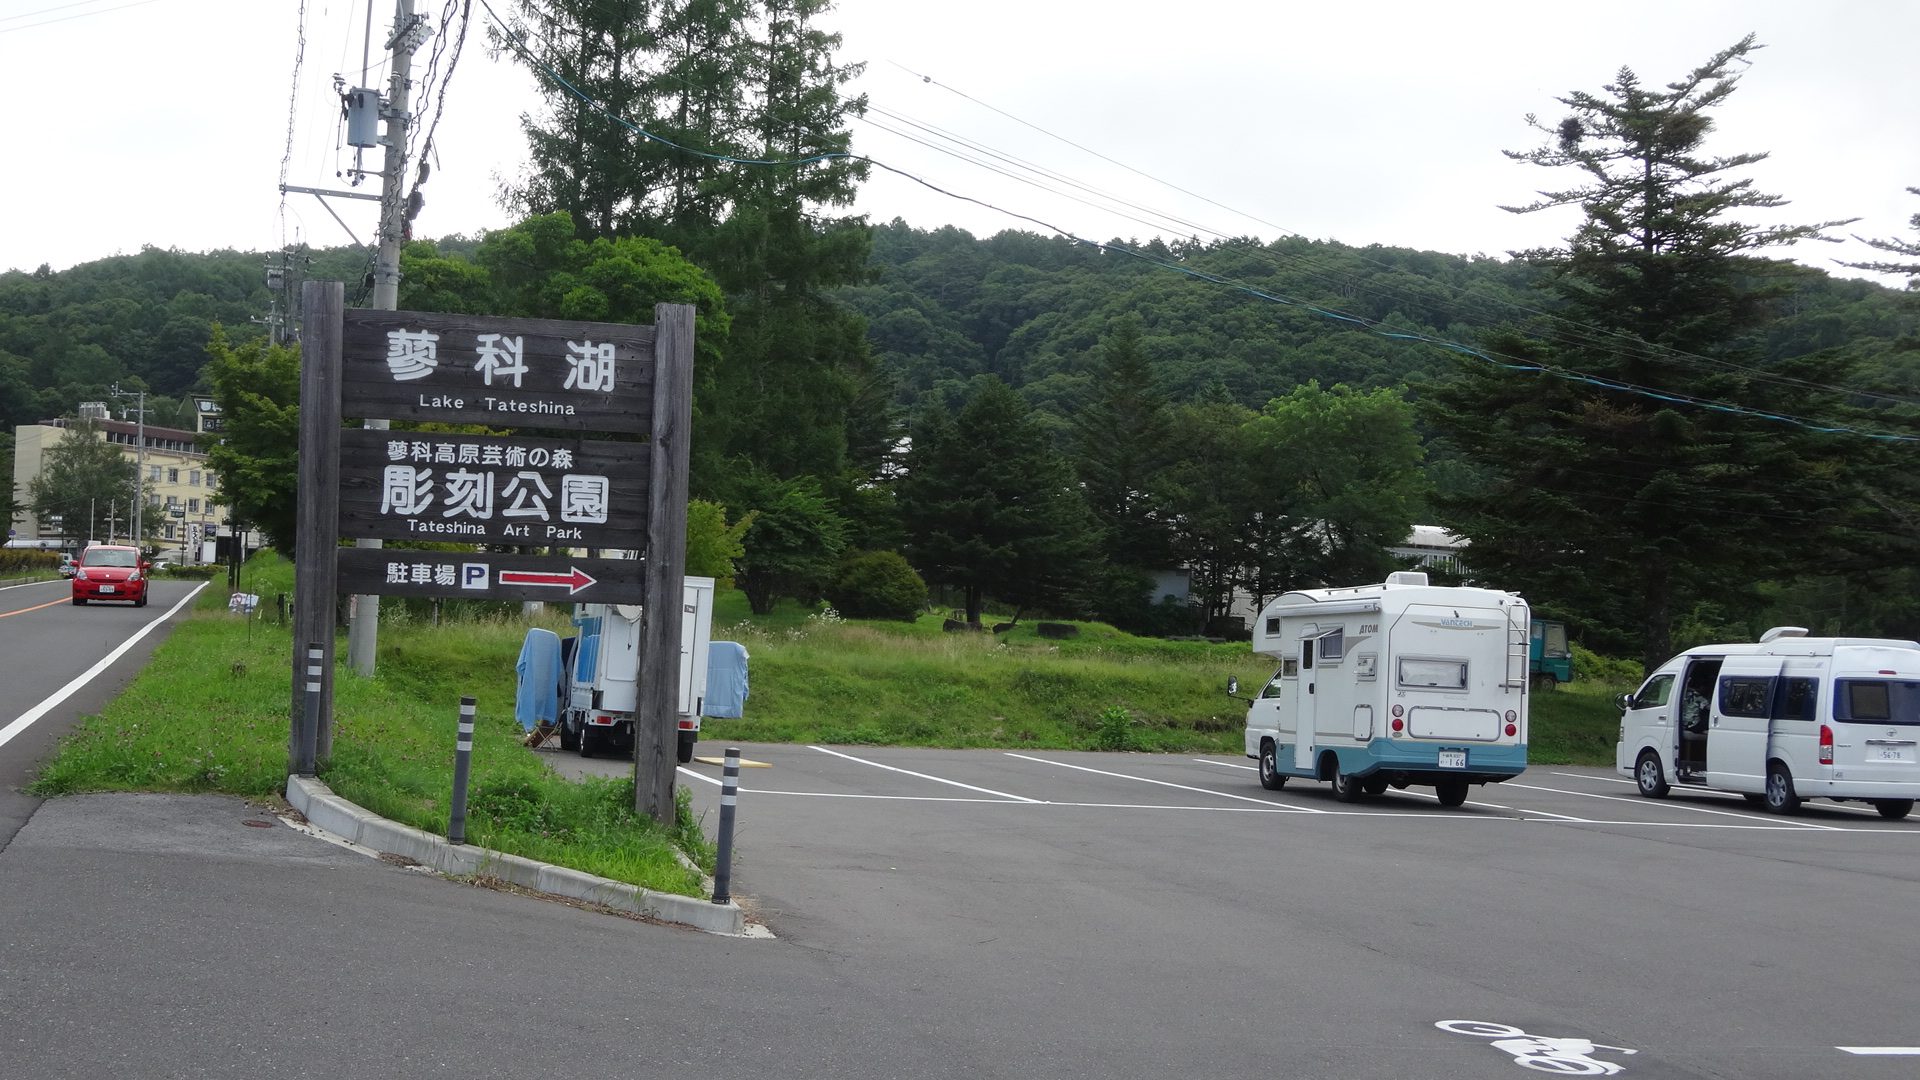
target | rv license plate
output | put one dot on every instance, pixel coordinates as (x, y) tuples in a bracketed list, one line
[(1453, 759), (106, 588), (1892, 753)]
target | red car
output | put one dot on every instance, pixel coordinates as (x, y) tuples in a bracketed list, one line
[(109, 572)]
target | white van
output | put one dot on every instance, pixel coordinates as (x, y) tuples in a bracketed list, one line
[(1787, 719), (1397, 684)]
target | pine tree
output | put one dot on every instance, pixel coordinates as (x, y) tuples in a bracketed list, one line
[(1614, 506), (1119, 442), (991, 507)]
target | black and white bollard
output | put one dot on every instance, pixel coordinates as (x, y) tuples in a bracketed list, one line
[(305, 746), (462, 761), (729, 796)]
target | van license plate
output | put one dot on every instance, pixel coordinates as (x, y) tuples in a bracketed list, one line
[(1453, 759), (1892, 753)]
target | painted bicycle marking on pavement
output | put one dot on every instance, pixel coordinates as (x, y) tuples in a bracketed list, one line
[(1542, 1053)]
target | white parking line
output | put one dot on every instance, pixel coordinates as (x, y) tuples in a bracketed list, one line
[(26, 719), (1690, 790), (1228, 764), (924, 776), (1676, 806), (1882, 1051), (1166, 783)]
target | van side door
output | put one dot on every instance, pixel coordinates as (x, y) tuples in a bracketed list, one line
[(1740, 723)]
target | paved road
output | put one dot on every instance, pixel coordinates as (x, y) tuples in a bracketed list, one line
[(1154, 915), (45, 643), (982, 914)]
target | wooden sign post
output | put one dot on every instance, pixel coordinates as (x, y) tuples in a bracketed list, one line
[(551, 488)]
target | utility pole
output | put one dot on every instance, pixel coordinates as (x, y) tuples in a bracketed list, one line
[(409, 31), (139, 458)]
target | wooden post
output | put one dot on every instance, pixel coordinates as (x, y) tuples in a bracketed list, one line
[(656, 730), (316, 528)]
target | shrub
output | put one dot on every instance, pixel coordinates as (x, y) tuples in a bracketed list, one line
[(1588, 665), (27, 560), (1114, 729), (878, 585)]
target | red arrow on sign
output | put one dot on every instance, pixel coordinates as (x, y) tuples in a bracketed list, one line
[(573, 580)]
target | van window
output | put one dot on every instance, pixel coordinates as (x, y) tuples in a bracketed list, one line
[(1745, 695), (1877, 701), (1272, 689), (1433, 674), (1556, 642), (1793, 699), (1658, 691), (1333, 645)]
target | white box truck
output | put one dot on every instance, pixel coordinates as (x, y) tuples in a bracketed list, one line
[(1784, 719), (1398, 684), (604, 665)]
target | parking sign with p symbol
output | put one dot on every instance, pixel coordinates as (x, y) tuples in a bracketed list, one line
[(473, 575)]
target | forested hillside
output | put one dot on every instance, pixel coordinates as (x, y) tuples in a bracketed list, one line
[(947, 306)]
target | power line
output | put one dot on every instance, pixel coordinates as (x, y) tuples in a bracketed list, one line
[(1558, 328), (1360, 322), (69, 18)]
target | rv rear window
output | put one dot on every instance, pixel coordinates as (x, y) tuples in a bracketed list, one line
[(1876, 701), (1433, 674)]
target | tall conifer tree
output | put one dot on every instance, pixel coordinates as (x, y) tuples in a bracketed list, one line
[(1624, 508)]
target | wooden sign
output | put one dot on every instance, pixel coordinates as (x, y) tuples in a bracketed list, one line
[(493, 489), (522, 373), (484, 575)]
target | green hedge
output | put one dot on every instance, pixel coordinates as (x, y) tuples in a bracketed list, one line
[(27, 560)]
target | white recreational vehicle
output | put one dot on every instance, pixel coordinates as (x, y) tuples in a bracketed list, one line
[(1789, 718), (596, 713), (1397, 684)]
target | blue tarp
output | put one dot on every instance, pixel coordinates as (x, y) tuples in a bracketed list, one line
[(539, 669), (726, 680)]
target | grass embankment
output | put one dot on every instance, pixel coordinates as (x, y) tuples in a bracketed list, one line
[(209, 714), (825, 680), (912, 684)]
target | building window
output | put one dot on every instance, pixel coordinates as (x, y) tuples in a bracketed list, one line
[(153, 473), (210, 480), (169, 530), (173, 476), (193, 506), (193, 478)]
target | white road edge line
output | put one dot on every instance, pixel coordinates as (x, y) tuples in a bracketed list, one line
[(1882, 1051), (1676, 806), (30, 584), (926, 776), (1165, 783), (1228, 764), (26, 719)]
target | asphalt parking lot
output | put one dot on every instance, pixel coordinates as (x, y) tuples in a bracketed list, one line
[(1170, 906)]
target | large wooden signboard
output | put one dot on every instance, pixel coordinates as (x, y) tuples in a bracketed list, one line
[(493, 489), (546, 486), (489, 575), (522, 373)]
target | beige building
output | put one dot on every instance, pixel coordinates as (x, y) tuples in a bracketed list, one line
[(178, 485)]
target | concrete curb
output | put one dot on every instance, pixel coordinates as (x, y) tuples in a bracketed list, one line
[(330, 812)]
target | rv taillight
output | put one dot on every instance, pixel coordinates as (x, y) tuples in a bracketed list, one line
[(1396, 710), (1826, 745), (1399, 725), (1513, 729)]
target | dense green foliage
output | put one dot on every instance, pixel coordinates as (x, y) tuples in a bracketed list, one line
[(1626, 510), (257, 386), (877, 585)]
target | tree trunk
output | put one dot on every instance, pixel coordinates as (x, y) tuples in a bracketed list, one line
[(976, 599), (1656, 584), (758, 585)]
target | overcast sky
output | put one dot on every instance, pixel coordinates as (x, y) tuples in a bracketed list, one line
[(164, 122)]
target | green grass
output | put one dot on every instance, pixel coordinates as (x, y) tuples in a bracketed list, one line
[(1576, 724), (825, 680), (209, 714)]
